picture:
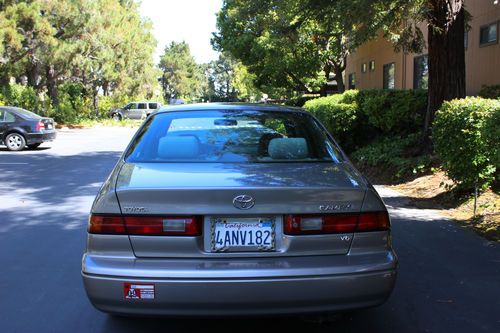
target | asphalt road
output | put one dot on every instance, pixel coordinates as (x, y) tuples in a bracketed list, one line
[(449, 278)]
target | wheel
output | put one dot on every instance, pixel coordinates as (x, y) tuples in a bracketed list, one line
[(116, 116), (15, 142), (34, 145)]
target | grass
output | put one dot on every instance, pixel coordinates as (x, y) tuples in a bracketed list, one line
[(106, 122)]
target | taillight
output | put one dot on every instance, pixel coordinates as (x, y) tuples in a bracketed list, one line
[(320, 224), (373, 221), (335, 223), (39, 126), (106, 224), (161, 225), (145, 225)]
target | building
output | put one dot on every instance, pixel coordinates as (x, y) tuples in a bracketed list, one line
[(375, 65)]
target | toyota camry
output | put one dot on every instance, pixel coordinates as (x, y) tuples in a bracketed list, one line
[(236, 209)]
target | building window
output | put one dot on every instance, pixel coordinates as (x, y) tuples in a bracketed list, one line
[(488, 34), (372, 66), (420, 72), (364, 68), (389, 76), (352, 81)]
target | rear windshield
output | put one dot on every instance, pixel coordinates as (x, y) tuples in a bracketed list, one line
[(232, 136), (26, 113)]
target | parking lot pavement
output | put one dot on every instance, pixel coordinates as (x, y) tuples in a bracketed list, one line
[(449, 278)]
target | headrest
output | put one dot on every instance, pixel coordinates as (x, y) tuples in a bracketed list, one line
[(288, 148), (178, 147)]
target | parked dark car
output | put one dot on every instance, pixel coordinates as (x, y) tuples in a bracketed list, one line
[(21, 128)]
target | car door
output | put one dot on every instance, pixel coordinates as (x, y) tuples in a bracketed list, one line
[(3, 125), (152, 107), (128, 110), (141, 110), (7, 119)]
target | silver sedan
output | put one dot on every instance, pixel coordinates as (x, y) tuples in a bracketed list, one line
[(235, 209)]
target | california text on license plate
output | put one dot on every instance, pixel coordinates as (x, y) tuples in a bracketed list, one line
[(243, 234)]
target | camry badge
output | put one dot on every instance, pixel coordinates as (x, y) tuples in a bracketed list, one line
[(345, 206), (243, 201), (135, 209)]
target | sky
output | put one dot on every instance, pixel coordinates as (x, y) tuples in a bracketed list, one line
[(190, 20)]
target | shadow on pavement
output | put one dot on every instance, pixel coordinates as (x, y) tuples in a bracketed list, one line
[(37, 187)]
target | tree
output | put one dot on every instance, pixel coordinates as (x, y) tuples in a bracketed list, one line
[(446, 57), (285, 43), (289, 44), (229, 81), (103, 45), (399, 19), (182, 77)]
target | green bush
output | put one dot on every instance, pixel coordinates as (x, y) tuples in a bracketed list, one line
[(492, 137), (390, 153), (107, 103), (73, 104), (394, 112), (298, 101), (338, 118), (22, 96), (492, 91), (349, 96), (356, 118), (466, 138)]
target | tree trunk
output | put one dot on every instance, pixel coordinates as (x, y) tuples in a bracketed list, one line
[(51, 84), (446, 59), (300, 86), (95, 100), (327, 69), (105, 88), (338, 71), (4, 78), (32, 75)]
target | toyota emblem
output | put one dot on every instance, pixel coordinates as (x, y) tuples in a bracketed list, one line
[(243, 201)]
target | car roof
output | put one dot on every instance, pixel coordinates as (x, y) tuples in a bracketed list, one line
[(10, 108), (230, 106), (23, 113)]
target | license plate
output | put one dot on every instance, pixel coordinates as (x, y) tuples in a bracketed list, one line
[(243, 234)]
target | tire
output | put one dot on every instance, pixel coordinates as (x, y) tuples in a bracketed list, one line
[(34, 145), (15, 142), (116, 116)]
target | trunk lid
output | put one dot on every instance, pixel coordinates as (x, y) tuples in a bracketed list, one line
[(208, 189), (48, 123)]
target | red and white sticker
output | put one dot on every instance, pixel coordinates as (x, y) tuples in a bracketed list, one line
[(138, 291)]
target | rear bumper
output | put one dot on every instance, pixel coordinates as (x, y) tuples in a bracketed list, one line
[(244, 293), (32, 138)]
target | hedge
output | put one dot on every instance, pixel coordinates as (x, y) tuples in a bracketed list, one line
[(466, 137), (356, 118), (394, 111), (391, 153), (74, 104), (338, 118), (492, 91), (20, 96)]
